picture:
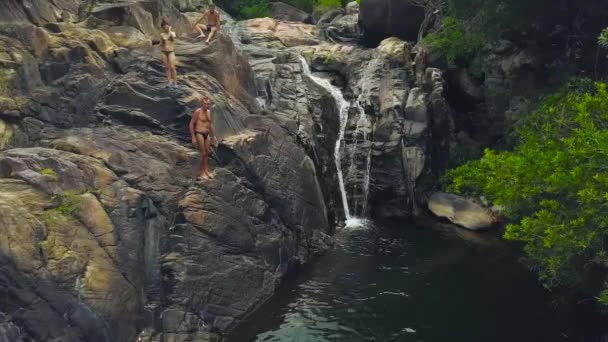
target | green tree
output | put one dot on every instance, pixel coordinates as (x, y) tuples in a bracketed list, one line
[(603, 38), (246, 9), (553, 185), (453, 40)]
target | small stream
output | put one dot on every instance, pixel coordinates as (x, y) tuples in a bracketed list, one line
[(406, 282)]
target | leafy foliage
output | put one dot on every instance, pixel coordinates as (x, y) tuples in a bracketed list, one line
[(69, 205), (554, 184), (603, 38), (603, 298), (260, 8), (326, 5), (50, 173), (453, 40), (489, 18), (256, 9)]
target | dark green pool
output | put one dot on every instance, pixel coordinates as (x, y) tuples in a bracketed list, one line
[(410, 282)]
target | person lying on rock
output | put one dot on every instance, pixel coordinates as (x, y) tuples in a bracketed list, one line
[(213, 23), (167, 45), (200, 128)]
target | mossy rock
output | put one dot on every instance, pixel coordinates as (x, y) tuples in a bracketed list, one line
[(6, 134)]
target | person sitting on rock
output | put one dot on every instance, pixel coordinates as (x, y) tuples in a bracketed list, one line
[(200, 128), (213, 23), (167, 44)]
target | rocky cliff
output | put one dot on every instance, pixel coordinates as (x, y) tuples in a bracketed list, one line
[(398, 127), (104, 234)]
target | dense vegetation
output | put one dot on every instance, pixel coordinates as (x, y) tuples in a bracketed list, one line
[(468, 24), (554, 185), (245, 9), (553, 182)]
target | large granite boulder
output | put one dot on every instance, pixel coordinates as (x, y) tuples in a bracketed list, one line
[(342, 25), (39, 12), (145, 16), (390, 18), (283, 11), (274, 230), (85, 250), (461, 211)]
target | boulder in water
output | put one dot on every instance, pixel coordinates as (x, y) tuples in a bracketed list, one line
[(461, 211), (283, 11), (386, 18)]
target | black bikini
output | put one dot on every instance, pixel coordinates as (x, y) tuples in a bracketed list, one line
[(167, 53), (205, 135)]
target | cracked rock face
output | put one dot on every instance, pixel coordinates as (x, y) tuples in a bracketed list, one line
[(399, 124), (104, 235)]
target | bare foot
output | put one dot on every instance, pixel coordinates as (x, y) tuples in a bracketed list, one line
[(207, 42), (201, 36), (210, 175), (203, 177)]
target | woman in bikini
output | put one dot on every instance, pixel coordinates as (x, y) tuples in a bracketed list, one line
[(167, 44), (200, 129)]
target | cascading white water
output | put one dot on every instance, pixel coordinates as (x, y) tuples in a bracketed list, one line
[(343, 107), (364, 126)]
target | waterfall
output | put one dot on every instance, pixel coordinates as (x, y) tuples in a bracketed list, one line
[(343, 107), (364, 127)]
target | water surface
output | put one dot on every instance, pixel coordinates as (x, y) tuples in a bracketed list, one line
[(410, 282)]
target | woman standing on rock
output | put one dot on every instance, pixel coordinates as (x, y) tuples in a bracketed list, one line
[(167, 44)]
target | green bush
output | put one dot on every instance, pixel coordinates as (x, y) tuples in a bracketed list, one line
[(603, 38), (554, 185), (258, 9), (246, 9), (453, 41), (69, 205), (327, 5), (50, 173)]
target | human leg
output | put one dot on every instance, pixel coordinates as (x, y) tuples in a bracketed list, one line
[(212, 31), (200, 28), (208, 149), (172, 61), (201, 144), (167, 67)]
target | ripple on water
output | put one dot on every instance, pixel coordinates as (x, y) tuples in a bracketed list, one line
[(407, 286)]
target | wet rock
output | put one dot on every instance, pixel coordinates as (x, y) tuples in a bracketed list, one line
[(461, 211)]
